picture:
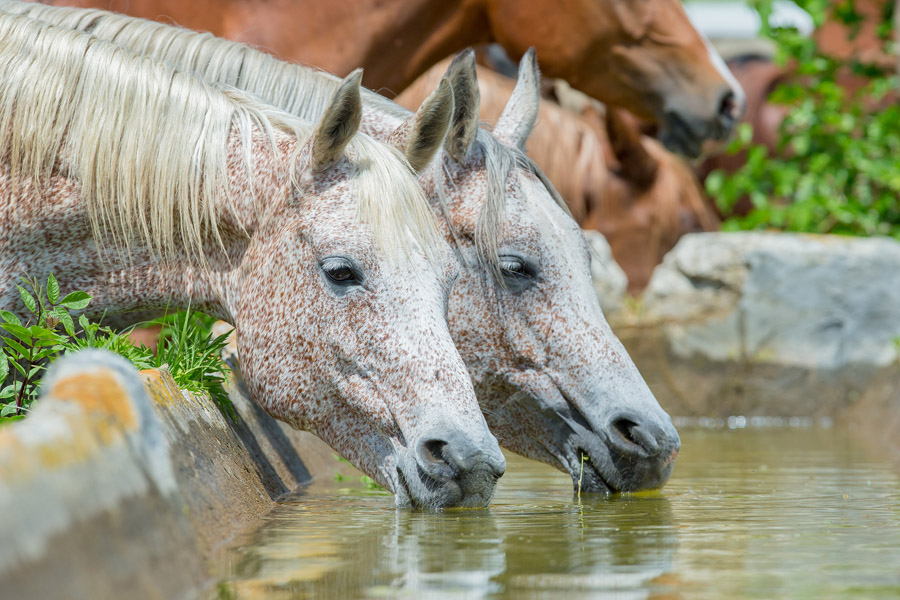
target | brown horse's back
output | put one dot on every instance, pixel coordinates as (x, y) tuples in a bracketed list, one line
[(641, 211), (644, 56), (394, 40)]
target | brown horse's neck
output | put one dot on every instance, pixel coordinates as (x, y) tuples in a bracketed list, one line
[(432, 31), (396, 40)]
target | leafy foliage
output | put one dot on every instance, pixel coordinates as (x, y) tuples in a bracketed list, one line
[(835, 168), (186, 346), (193, 356)]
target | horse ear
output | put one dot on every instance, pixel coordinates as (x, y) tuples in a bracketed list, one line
[(339, 123), (518, 117), (466, 104), (635, 163), (423, 133)]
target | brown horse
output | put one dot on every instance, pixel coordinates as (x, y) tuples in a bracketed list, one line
[(627, 186), (643, 55)]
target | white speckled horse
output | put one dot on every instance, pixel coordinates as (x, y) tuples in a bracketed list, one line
[(146, 187), (553, 381)]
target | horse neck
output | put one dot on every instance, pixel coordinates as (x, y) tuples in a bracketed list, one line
[(416, 38), (395, 40), (47, 230)]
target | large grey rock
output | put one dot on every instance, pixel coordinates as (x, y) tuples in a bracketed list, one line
[(774, 325), (610, 281), (809, 301)]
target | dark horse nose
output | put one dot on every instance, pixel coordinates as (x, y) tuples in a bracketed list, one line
[(642, 450), (454, 456), (730, 111)]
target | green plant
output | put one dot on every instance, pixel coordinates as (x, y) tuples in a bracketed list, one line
[(30, 345), (193, 356), (186, 346), (834, 169), (366, 481), (581, 476)]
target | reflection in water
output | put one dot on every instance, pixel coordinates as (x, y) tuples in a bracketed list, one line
[(748, 514)]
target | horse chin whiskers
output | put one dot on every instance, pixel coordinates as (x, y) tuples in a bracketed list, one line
[(402, 494)]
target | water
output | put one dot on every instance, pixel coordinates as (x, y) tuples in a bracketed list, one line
[(750, 513)]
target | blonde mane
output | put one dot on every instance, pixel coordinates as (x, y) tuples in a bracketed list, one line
[(301, 90), (148, 143)]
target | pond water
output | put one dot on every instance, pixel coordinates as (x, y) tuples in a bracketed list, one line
[(748, 513)]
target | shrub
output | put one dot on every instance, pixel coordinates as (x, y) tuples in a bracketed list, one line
[(835, 169), (186, 346)]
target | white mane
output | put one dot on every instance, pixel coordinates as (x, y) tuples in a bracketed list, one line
[(148, 143)]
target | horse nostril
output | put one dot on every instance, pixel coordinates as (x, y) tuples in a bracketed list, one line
[(624, 427), (435, 459), (634, 434), (433, 451), (456, 455), (728, 107)]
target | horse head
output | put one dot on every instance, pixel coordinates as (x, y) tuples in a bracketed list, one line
[(553, 381), (340, 314), (650, 197), (643, 55)]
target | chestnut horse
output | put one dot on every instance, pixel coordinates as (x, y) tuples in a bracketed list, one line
[(643, 55), (553, 381), (627, 186), (147, 187)]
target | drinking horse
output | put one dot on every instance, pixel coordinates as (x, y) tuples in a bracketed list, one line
[(553, 381), (146, 187), (641, 55)]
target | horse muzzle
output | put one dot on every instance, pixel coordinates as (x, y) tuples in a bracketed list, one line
[(627, 453), (451, 469), (685, 127)]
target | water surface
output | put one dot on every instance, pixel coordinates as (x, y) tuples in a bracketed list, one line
[(748, 513)]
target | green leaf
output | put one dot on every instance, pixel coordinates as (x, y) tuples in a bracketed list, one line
[(52, 289), (8, 409), (18, 367), (76, 300), (27, 299), (17, 330), (4, 367), (41, 333), (9, 317), (65, 318), (85, 324)]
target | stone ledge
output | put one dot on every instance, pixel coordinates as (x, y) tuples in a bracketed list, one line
[(123, 483)]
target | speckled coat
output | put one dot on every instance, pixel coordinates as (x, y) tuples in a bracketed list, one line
[(367, 364), (553, 381)]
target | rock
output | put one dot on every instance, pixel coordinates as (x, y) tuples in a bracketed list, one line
[(810, 301), (772, 325), (610, 281)]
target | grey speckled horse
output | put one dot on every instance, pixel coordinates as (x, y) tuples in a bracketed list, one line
[(147, 187), (552, 379)]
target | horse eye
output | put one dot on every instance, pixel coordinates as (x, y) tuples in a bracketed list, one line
[(339, 271), (513, 266), (340, 274)]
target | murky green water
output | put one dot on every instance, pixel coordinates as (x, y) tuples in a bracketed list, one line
[(752, 513)]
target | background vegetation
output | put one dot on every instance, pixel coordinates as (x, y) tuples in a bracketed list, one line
[(836, 166), (186, 346)]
